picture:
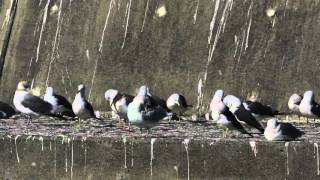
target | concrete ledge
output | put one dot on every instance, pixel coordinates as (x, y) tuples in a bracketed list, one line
[(64, 158)]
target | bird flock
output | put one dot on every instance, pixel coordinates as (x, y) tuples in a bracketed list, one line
[(146, 110)]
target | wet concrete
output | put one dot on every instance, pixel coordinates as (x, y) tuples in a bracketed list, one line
[(194, 47), (56, 149)]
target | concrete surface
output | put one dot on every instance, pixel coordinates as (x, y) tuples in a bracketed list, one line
[(266, 48)]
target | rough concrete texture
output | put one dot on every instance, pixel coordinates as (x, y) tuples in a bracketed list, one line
[(67, 158), (266, 48)]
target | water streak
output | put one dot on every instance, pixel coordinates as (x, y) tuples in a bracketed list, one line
[(6, 19), (151, 155), (52, 58), (105, 25), (16, 147), (254, 148), (287, 155), (316, 151), (44, 20), (125, 33), (124, 140), (195, 13), (186, 146), (145, 15)]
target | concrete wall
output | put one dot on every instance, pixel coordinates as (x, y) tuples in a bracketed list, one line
[(32, 158), (268, 48)]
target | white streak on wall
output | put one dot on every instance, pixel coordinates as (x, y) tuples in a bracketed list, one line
[(44, 20), (126, 31), (145, 15)]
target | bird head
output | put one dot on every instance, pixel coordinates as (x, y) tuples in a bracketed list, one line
[(272, 123), (295, 98), (110, 94), (81, 89), (174, 99), (218, 94), (23, 85)]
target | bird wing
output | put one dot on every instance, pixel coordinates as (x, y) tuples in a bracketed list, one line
[(89, 107), (63, 101), (155, 114), (6, 108), (183, 101), (258, 108), (243, 115), (291, 131), (234, 121), (129, 98), (36, 104), (315, 108)]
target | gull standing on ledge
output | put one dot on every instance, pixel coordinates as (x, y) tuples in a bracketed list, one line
[(223, 116), (118, 102), (80, 106), (294, 102), (29, 104), (177, 104), (59, 103), (243, 115), (144, 117)]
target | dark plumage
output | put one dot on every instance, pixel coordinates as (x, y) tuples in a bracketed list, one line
[(235, 123), (243, 115), (6, 111), (260, 109), (36, 104)]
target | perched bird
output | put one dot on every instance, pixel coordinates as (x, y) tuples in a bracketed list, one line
[(278, 131), (228, 121), (308, 107), (222, 115), (260, 111), (29, 104), (294, 102), (216, 104), (118, 102), (6, 111), (144, 117), (177, 104), (59, 103), (80, 106), (243, 115)]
